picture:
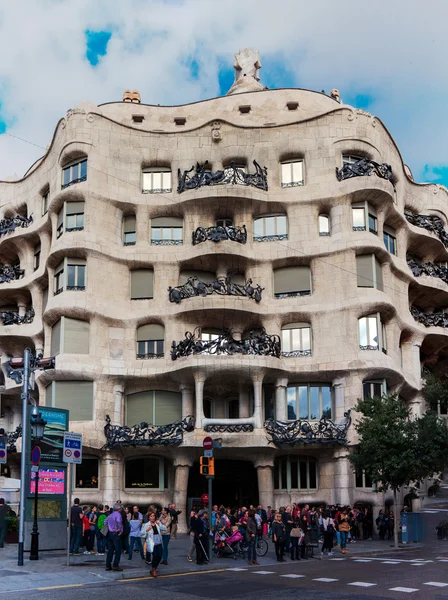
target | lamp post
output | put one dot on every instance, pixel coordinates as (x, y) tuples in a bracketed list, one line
[(37, 433)]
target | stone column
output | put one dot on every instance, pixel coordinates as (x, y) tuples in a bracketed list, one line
[(244, 403), (339, 397), (265, 476), (281, 411), (21, 305), (181, 473), (199, 382), (118, 416), (343, 477), (111, 478), (258, 395), (187, 400)]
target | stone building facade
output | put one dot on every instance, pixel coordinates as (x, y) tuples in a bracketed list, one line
[(129, 248)]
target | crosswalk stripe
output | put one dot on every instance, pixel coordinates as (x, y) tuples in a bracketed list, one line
[(364, 560), (263, 572), (390, 562), (436, 584), (237, 569), (364, 584), (325, 579), (403, 589), (292, 576)]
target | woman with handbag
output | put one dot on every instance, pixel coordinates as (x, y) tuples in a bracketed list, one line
[(278, 537), (165, 519), (251, 538), (329, 531), (344, 528), (296, 537), (154, 530)]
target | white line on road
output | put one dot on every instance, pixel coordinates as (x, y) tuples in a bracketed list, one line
[(361, 584), (325, 579), (292, 576), (237, 569), (390, 562), (263, 572), (403, 589), (365, 560), (436, 584)]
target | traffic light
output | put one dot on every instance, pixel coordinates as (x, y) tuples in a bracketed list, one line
[(207, 466)]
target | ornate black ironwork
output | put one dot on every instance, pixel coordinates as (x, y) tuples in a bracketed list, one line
[(9, 224), (145, 434), (244, 428), (231, 175), (435, 319), (166, 242), (297, 353), (219, 233), (364, 166), (73, 181), (431, 223), (10, 273), (292, 294), (270, 238), (150, 355), (418, 267), (325, 432), (10, 317), (368, 347), (258, 342), (16, 374), (12, 439), (75, 288), (223, 286)]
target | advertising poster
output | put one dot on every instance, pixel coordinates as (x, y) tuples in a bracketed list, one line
[(51, 481), (52, 445)]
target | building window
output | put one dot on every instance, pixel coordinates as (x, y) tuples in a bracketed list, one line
[(167, 231), (36, 261), (296, 339), (324, 225), (204, 276), (368, 272), (209, 335), (156, 181), (157, 407), (45, 199), (146, 472), (310, 402), (363, 216), (294, 473), (350, 159), (292, 173), (75, 396), (87, 473), (150, 341), (372, 333), (224, 223), (70, 336), (362, 480), (142, 284), (292, 281), (129, 230), (390, 240), (74, 216), (374, 388), (74, 172), (271, 228), (70, 275)]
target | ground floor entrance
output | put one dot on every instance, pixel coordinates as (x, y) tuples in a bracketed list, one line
[(235, 483)]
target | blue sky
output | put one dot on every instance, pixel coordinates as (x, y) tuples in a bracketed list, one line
[(174, 52)]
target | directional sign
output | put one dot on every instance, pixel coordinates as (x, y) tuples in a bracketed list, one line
[(208, 453), (207, 443), (3, 451), (72, 448)]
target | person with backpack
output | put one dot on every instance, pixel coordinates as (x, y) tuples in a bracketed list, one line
[(329, 533), (100, 538)]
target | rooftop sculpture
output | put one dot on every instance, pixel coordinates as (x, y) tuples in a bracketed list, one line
[(247, 64)]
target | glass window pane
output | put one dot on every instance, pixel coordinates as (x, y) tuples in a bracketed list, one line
[(294, 473), (303, 402), (312, 468), (292, 403), (297, 172), (324, 224), (70, 221), (142, 473), (366, 393), (156, 181), (166, 233), (130, 238), (373, 332), (306, 338), (83, 169), (326, 402), (372, 224), (156, 233), (296, 339), (303, 477), (286, 340), (281, 225), (359, 217), (269, 225), (363, 331), (359, 479), (177, 233), (166, 180), (258, 227), (283, 476), (314, 404), (71, 273), (286, 173), (80, 220), (67, 176), (368, 482), (81, 276)]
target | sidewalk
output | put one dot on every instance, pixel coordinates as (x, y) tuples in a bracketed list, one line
[(51, 569)]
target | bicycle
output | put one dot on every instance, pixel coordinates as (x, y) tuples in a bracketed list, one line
[(262, 547)]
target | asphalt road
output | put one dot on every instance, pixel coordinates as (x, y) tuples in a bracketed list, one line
[(364, 578)]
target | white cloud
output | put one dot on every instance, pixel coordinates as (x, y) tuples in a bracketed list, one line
[(395, 51)]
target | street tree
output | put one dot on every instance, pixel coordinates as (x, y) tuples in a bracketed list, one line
[(397, 449)]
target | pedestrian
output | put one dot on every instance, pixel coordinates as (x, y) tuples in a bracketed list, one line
[(391, 525), (165, 519), (200, 537), (134, 536), (193, 517), (278, 537), (344, 528), (296, 538), (86, 529), (329, 532), (76, 516), (381, 524), (126, 529), (113, 541), (288, 523), (251, 538), (174, 520), (4, 511), (100, 539), (93, 517), (154, 531), (136, 509)]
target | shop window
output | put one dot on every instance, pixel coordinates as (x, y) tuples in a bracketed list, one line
[(146, 472), (310, 402), (295, 473), (87, 473)]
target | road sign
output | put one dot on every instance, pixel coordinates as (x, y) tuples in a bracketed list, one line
[(35, 455), (72, 452), (204, 498), (207, 443), (3, 451), (208, 453)]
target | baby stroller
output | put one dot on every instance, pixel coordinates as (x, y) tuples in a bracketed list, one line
[(228, 545)]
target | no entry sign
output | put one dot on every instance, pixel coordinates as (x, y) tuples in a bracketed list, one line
[(204, 498), (207, 443)]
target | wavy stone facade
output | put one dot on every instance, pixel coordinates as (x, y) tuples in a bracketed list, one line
[(237, 391)]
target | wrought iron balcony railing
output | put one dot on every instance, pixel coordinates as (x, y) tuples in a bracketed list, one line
[(145, 434), (292, 294), (223, 286), (324, 432), (218, 233), (418, 267), (258, 342), (362, 167), (150, 355), (431, 223), (10, 317), (73, 181), (435, 319), (271, 238), (296, 353), (231, 175), (10, 273), (9, 224), (74, 229), (76, 288), (227, 428), (167, 242)]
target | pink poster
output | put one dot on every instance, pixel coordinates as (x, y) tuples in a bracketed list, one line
[(51, 481)]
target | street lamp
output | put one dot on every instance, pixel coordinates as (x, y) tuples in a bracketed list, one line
[(37, 433)]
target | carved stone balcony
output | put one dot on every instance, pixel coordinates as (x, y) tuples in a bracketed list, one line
[(258, 343), (10, 317), (223, 286), (431, 223), (231, 175), (219, 233), (145, 434), (9, 224), (435, 319), (324, 432), (10, 273), (418, 268), (363, 167)]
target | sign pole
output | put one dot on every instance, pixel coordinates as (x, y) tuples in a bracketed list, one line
[(210, 505), (72, 455), (23, 473), (69, 507)]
